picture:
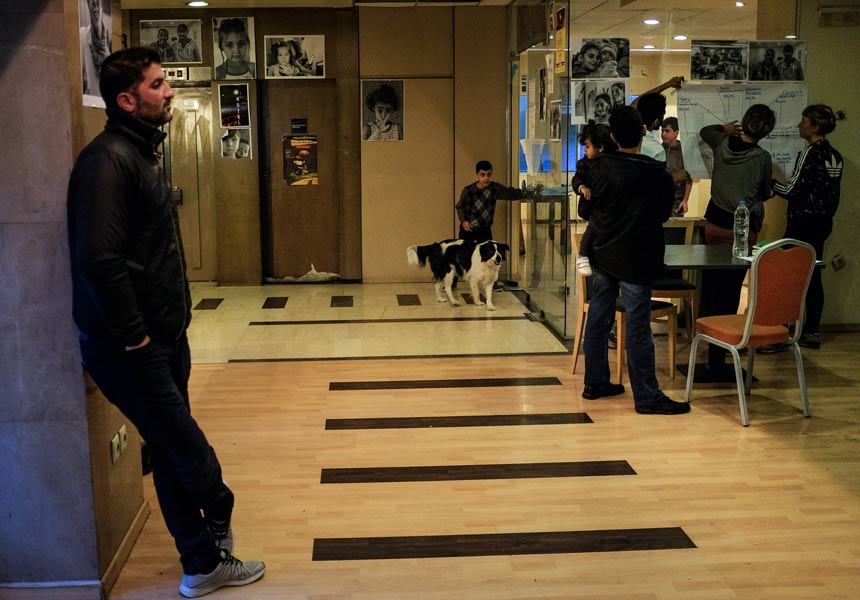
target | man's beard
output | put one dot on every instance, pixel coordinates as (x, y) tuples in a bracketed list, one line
[(152, 117)]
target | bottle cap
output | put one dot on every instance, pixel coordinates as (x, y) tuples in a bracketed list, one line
[(742, 203)]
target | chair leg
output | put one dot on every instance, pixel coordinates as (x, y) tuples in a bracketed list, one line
[(691, 328), (691, 370), (801, 380), (750, 365), (672, 332), (739, 381), (577, 340), (619, 346)]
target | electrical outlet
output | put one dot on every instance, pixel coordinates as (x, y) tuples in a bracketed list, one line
[(123, 439), (115, 448), (838, 262)]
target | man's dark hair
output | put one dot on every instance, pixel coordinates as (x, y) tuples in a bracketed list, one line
[(181, 26), (652, 108), (598, 135), (483, 165), (758, 121), (123, 70), (671, 122), (625, 123)]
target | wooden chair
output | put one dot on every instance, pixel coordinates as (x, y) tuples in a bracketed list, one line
[(779, 279), (659, 310), (675, 284)]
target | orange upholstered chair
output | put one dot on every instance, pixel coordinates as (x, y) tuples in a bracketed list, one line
[(780, 275)]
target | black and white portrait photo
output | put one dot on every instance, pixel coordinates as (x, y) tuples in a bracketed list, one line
[(382, 110), (233, 46), (236, 143), (555, 119), (95, 42), (718, 60), (777, 60), (233, 103), (600, 98), (176, 41), (600, 58), (289, 56)]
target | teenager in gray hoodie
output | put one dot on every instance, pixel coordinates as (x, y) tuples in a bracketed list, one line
[(742, 171)]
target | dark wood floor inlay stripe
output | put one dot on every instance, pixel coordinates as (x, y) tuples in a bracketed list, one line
[(341, 301), (408, 300), (417, 320), (441, 383), (208, 303), (464, 421), (596, 468), (276, 302), (496, 544)]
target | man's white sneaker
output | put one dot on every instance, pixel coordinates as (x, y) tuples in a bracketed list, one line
[(583, 265), (229, 572)]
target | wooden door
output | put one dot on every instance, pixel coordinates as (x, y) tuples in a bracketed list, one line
[(304, 217)]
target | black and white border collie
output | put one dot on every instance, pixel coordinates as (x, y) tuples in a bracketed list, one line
[(477, 263)]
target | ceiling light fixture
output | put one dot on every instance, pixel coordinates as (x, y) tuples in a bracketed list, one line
[(649, 46), (791, 37), (197, 4), (739, 4), (651, 22), (680, 38)]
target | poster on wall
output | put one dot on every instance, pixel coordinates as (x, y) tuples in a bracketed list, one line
[(176, 41), (383, 113), (300, 160), (560, 35), (718, 60), (777, 60), (600, 58), (236, 143), (234, 55), (555, 120), (289, 56), (594, 100), (233, 105), (95, 33), (542, 94)]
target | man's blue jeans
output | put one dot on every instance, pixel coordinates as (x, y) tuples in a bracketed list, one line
[(150, 386), (638, 339)]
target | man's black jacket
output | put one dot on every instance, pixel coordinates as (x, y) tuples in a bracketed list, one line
[(128, 266)]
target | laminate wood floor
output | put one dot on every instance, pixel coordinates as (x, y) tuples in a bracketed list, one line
[(771, 511)]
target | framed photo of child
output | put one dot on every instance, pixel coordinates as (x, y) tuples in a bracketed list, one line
[(289, 56), (382, 110), (234, 53)]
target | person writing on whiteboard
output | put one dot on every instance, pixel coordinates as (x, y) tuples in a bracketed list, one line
[(652, 106), (813, 197), (742, 171)]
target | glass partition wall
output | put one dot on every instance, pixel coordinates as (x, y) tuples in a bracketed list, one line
[(571, 62)]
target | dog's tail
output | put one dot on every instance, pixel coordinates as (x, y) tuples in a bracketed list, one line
[(417, 255)]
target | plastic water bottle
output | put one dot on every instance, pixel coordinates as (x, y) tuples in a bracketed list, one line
[(740, 246)]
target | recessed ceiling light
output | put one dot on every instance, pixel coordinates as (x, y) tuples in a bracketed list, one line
[(197, 4), (680, 38), (739, 4), (791, 37), (649, 46), (651, 22)]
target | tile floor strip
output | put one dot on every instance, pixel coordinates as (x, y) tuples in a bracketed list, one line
[(408, 300), (416, 320), (341, 301), (276, 302), (496, 544), (458, 421), (441, 383), (596, 468), (208, 303)]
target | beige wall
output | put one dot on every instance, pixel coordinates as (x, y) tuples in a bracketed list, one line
[(455, 71)]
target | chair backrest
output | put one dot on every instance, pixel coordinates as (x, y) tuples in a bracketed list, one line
[(677, 231), (780, 277)]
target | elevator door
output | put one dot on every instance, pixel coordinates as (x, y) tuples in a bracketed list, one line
[(191, 163)]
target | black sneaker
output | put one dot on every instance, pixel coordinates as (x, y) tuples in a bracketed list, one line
[(613, 338), (773, 348), (810, 340), (663, 406), (593, 392)]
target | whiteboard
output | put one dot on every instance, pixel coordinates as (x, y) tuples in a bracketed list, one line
[(701, 105)]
